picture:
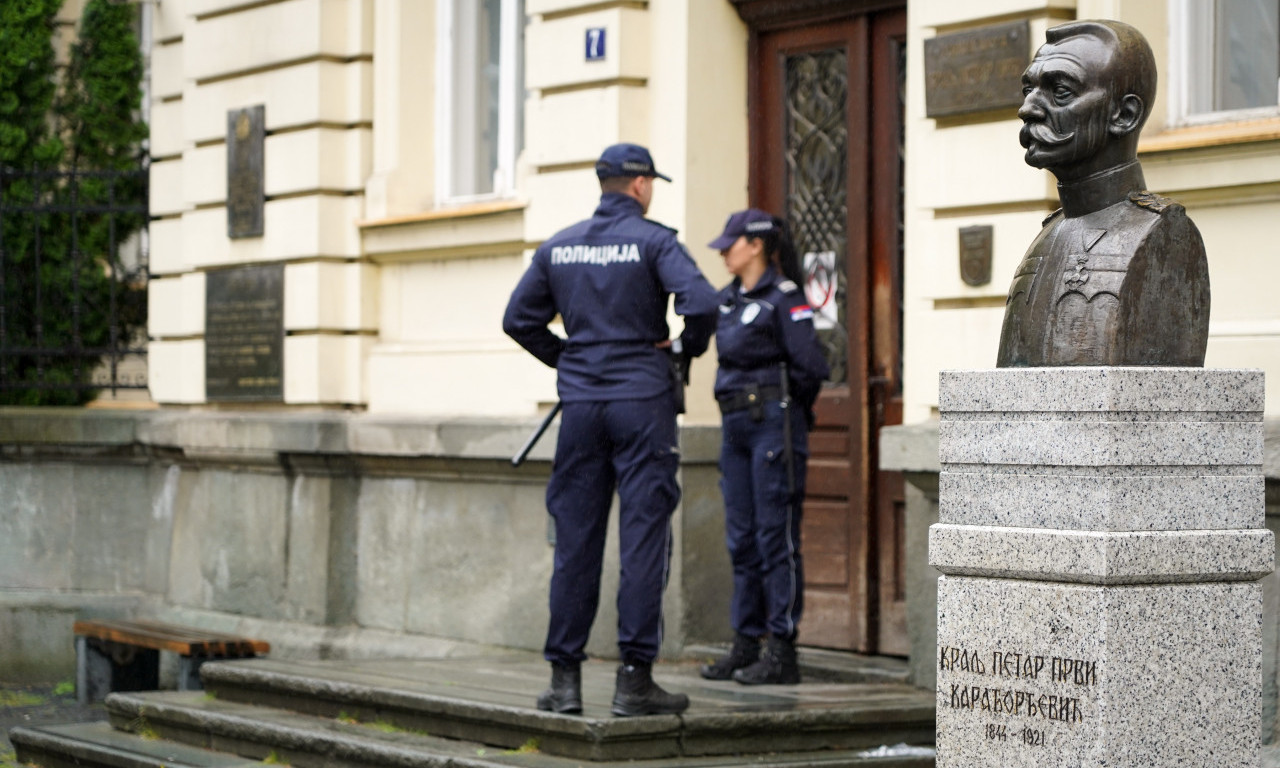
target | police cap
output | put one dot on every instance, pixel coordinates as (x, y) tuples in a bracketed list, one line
[(626, 160), (753, 222)]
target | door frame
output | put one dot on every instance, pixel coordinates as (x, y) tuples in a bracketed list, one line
[(817, 25)]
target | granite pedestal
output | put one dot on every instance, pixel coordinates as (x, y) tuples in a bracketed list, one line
[(1101, 536)]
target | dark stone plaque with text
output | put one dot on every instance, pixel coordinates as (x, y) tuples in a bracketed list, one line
[(244, 334), (246, 131), (976, 70)]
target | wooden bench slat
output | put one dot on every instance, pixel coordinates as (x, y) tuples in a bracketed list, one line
[(202, 637), (167, 637)]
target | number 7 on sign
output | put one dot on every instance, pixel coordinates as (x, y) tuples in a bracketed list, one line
[(595, 43)]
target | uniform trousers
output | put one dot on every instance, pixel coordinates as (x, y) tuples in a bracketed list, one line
[(762, 520), (630, 445)]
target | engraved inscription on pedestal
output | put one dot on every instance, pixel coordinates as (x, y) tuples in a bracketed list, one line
[(977, 70), (246, 131), (1020, 695), (1046, 673), (244, 334)]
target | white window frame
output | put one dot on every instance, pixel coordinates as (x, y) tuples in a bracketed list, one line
[(510, 90), (1192, 33)]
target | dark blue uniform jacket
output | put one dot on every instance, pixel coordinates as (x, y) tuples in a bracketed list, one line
[(770, 324), (609, 278)]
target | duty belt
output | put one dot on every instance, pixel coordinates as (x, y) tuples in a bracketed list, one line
[(752, 397)]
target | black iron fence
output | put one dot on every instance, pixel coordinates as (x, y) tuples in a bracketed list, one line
[(73, 284)]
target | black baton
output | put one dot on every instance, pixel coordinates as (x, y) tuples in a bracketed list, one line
[(787, 453), (519, 458)]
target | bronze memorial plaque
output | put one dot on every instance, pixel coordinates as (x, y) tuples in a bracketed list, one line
[(244, 334), (976, 70), (975, 254), (246, 131)]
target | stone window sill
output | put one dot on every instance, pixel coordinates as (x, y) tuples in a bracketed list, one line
[(469, 231), (1216, 135)]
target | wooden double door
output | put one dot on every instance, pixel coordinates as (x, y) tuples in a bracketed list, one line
[(827, 82)]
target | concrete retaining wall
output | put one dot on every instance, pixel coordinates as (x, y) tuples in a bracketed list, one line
[(329, 535)]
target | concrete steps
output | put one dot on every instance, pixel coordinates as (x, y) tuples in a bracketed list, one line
[(100, 744), (479, 713)]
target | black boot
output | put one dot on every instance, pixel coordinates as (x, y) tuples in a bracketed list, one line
[(745, 651), (565, 694), (777, 665), (637, 694)]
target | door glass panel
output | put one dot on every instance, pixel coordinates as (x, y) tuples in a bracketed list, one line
[(817, 89)]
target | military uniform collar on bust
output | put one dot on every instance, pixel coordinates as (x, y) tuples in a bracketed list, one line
[(1101, 190)]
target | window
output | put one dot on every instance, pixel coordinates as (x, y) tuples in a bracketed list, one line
[(480, 98), (1227, 60)]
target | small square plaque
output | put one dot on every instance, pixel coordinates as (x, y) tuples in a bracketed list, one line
[(975, 254), (595, 44)]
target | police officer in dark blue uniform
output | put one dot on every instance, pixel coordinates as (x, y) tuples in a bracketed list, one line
[(610, 278), (771, 369)]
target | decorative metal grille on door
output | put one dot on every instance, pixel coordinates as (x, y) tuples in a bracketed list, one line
[(817, 88)]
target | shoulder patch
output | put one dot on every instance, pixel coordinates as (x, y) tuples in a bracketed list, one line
[(1050, 218), (672, 230), (1151, 201), (801, 312), (788, 286)]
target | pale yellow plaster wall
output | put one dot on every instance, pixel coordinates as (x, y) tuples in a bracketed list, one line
[(960, 172), (402, 181), (555, 52), (564, 141), (349, 90), (168, 21), (716, 158), (329, 295), (297, 95), (441, 350), (167, 78), (325, 369), (309, 63), (167, 141), (176, 305), (166, 188), (166, 247), (674, 81), (175, 371), (275, 34)]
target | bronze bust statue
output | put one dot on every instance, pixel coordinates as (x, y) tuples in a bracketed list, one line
[(1118, 275)]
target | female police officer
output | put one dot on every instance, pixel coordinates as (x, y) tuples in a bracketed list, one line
[(771, 368)]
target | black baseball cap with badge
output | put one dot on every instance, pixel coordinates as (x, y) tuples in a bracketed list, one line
[(626, 160), (752, 222)]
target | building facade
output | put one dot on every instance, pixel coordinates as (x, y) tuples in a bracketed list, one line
[(344, 193), (413, 153)]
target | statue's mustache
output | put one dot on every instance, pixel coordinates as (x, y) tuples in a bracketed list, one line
[(1041, 133)]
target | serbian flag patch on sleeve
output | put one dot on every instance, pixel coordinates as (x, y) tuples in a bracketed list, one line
[(801, 312)]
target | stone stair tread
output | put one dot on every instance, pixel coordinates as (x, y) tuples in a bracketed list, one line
[(99, 744), (824, 665), (512, 682), (309, 741), (490, 700)]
